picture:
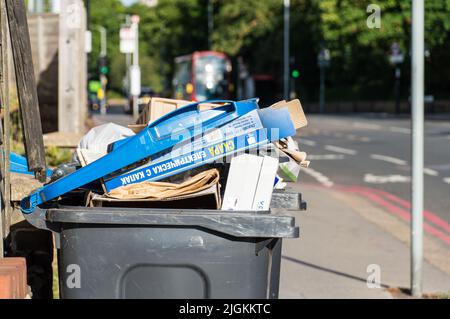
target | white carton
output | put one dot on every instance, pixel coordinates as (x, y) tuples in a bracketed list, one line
[(250, 183), (242, 182), (266, 181)]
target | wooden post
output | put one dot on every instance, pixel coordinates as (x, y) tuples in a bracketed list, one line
[(26, 87), (5, 188), (72, 97)]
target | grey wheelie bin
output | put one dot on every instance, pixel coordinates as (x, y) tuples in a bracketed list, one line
[(168, 253)]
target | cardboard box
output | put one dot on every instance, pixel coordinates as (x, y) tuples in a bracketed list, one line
[(158, 107), (266, 183), (250, 183), (295, 110), (206, 199), (242, 182)]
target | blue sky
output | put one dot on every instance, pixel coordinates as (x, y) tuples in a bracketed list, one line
[(128, 2)]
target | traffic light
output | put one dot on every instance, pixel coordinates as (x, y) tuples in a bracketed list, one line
[(103, 67), (295, 74)]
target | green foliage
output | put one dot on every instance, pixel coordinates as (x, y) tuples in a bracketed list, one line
[(253, 30), (56, 155)]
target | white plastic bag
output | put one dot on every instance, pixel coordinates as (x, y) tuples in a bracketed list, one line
[(99, 137), (95, 143)]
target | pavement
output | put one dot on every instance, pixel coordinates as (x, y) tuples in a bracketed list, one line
[(358, 217), (344, 239), (115, 114)]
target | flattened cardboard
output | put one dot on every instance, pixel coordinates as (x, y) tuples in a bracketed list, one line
[(158, 107), (295, 110), (206, 199)]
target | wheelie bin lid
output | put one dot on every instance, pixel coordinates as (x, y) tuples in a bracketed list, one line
[(267, 224)]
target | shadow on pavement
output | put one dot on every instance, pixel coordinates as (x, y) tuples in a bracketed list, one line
[(304, 263)]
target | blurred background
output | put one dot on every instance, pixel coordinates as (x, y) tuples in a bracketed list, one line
[(359, 77), (359, 74)]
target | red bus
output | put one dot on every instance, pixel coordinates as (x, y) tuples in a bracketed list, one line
[(203, 75)]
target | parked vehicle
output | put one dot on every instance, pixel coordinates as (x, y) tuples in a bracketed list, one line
[(203, 75)]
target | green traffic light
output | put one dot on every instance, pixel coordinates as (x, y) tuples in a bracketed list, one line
[(104, 70), (295, 74)]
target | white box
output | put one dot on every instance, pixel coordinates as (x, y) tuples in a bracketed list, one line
[(242, 182), (266, 183), (250, 183)]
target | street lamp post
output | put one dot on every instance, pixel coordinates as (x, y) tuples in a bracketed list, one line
[(323, 61), (103, 40), (417, 141), (102, 60), (210, 22), (396, 58), (135, 71), (287, 5)]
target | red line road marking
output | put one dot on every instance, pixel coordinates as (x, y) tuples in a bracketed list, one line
[(403, 214), (429, 216)]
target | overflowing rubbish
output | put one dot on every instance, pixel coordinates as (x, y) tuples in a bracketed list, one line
[(178, 150), (248, 131), (290, 168), (197, 186)]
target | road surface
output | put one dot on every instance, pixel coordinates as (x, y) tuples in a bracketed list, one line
[(374, 151)]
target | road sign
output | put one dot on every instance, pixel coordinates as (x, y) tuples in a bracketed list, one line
[(135, 80), (88, 41), (135, 19), (127, 40), (396, 56), (323, 58)]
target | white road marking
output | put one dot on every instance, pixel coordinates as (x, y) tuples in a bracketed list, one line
[(402, 130), (374, 179), (447, 180), (306, 142), (353, 137), (322, 179), (325, 157), (342, 150), (443, 167), (389, 159), (367, 125), (430, 172)]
